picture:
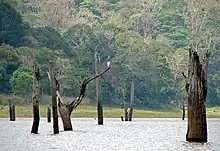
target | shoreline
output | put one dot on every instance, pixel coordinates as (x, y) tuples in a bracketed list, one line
[(91, 112)]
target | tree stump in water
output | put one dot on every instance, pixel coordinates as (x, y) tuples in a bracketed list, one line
[(124, 101), (122, 119), (183, 107), (54, 98), (65, 114), (48, 114), (65, 110), (196, 88), (98, 90), (132, 101), (35, 99), (126, 113), (11, 111)]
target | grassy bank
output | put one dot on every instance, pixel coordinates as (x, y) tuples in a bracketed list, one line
[(90, 112)]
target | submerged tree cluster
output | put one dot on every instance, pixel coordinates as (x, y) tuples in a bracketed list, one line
[(147, 41)]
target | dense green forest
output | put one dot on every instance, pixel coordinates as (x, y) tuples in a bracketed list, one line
[(145, 40)]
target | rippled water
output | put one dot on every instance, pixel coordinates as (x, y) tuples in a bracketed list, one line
[(139, 135)]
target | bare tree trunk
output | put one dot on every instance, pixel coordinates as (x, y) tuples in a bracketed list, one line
[(122, 119), (124, 101), (132, 101), (54, 100), (35, 99), (65, 115), (183, 107), (66, 110), (196, 89), (11, 111), (98, 89), (48, 114), (126, 113)]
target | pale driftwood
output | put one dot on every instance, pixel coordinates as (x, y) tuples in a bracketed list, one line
[(196, 88)]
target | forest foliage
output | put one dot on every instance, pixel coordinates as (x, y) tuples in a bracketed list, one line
[(145, 40)]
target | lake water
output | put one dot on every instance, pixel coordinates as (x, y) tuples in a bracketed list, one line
[(114, 135)]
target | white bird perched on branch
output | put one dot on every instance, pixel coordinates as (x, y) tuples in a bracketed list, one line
[(108, 64)]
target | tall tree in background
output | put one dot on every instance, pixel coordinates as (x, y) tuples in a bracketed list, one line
[(12, 29)]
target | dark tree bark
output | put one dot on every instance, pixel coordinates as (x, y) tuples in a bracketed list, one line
[(132, 101), (48, 114), (35, 99), (11, 111), (65, 110), (124, 101), (196, 88), (122, 119), (65, 115), (54, 99), (183, 107), (98, 91)]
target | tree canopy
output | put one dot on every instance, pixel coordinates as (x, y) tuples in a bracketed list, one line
[(146, 41)]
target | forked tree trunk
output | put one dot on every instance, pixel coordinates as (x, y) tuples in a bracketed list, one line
[(132, 101), (196, 88), (65, 110), (54, 99), (35, 99)]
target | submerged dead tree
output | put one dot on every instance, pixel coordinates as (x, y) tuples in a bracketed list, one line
[(131, 101), (65, 110), (196, 88), (124, 101), (48, 114), (54, 98), (183, 108), (98, 90), (11, 111), (36, 99)]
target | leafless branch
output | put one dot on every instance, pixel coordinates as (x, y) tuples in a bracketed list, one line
[(76, 102)]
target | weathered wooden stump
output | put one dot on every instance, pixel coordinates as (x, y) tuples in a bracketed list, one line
[(65, 110), (54, 98), (98, 90), (126, 113), (36, 116), (122, 119), (48, 114), (131, 101), (35, 99), (183, 107), (65, 114), (11, 111), (196, 88), (124, 101)]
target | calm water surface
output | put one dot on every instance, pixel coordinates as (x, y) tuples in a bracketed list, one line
[(139, 135)]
